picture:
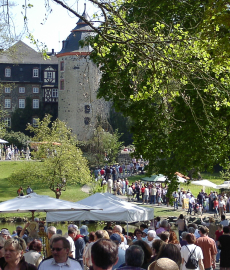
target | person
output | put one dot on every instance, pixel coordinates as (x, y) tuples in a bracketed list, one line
[(176, 198), (29, 190), (134, 258), (223, 245), (224, 221), (215, 206), (156, 246), (61, 260), (87, 253), (163, 264), (163, 227), (79, 247), (153, 193), (164, 236), (72, 233), (183, 241), (109, 185), (129, 193), (4, 233), (18, 231), (33, 256), (50, 232), (181, 224), (191, 203), (13, 259), (170, 251), (2, 242), (91, 240), (138, 234), (173, 239), (218, 233), (195, 250), (151, 236), (147, 252), (84, 233), (116, 238), (106, 249), (108, 226), (208, 247), (221, 206), (211, 226)]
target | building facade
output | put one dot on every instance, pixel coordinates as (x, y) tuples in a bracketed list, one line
[(79, 80), (26, 77)]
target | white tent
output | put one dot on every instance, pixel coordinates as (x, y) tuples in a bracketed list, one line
[(204, 183), (114, 209), (3, 141), (40, 203), (225, 185)]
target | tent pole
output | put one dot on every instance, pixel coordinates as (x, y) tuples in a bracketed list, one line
[(127, 228)]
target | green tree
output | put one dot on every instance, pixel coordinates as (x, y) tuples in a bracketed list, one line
[(18, 139), (62, 162), (103, 147), (166, 66)]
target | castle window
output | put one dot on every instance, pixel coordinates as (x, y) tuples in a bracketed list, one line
[(61, 84), (35, 73), (7, 103), (49, 75), (21, 103), (54, 93), (87, 120), (7, 72), (87, 109), (62, 66), (8, 122), (35, 122), (22, 90), (35, 103), (7, 89), (35, 90)]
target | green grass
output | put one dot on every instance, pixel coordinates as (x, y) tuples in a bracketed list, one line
[(9, 191)]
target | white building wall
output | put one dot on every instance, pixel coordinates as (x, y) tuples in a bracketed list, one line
[(81, 80)]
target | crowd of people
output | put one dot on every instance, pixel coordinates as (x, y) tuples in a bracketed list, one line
[(152, 247), (13, 153)]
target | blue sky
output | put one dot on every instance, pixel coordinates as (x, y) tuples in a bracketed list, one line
[(53, 30)]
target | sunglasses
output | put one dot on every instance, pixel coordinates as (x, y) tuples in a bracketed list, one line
[(57, 249)]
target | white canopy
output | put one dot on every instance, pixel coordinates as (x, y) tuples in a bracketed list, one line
[(3, 141), (226, 185), (40, 203), (114, 209), (204, 183)]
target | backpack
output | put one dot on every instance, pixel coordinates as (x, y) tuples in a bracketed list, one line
[(192, 262)]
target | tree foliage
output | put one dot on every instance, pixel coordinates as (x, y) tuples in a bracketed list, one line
[(62, 162), (103, 147), (166, 66)]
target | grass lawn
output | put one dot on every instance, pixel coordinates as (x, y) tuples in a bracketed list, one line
[(9, 191)]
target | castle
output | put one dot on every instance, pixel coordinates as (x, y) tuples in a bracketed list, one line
[(68, 81)]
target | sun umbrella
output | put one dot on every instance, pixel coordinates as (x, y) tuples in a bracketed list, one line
[(226, 185), (204, 183)]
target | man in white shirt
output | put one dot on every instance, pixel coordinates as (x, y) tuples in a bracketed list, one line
[(191, 203), (109, 185), (60, 251), (146, 195), (72, 233)]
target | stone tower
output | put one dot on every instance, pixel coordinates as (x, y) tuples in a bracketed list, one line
[(78, 84)]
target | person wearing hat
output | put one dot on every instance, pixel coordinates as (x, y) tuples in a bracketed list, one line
[(163, 264), (18, 231), (84, 233), (4, 233), (116, 238)]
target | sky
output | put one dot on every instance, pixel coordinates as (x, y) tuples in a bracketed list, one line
[(52, 31)]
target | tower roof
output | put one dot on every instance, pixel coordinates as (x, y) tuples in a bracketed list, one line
[(80, 32)]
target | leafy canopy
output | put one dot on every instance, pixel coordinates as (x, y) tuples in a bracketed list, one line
[(62, 162)]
